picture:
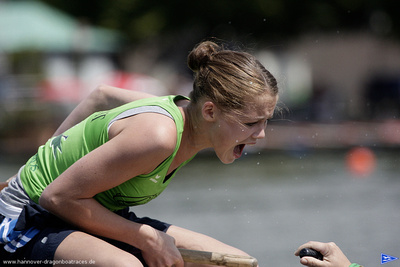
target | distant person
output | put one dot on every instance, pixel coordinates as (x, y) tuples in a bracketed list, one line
[(90, 174), (333, 256)]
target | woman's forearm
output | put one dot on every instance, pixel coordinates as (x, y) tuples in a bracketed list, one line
[(92, 217)]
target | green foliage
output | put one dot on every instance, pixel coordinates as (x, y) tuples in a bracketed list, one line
[(261, 19)]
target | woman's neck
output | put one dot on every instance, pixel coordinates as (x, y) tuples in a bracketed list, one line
[(194, 136)]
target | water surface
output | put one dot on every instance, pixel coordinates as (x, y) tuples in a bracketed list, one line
[(268, 203)]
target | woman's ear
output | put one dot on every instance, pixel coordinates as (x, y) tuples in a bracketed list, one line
[(209, 111)]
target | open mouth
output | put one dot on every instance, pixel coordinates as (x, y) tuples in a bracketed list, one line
[(238, 150)]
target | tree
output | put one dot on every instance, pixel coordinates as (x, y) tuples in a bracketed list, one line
[(261, 20)]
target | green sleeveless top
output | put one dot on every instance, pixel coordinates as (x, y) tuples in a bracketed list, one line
[(62, 151)]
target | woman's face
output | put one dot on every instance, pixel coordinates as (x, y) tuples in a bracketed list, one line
[(231, 136)]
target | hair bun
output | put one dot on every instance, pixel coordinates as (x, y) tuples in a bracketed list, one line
[(202, 54)]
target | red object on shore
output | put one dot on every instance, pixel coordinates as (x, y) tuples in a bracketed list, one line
[(361, 161)]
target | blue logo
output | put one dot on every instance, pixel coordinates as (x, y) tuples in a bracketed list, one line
[(387, 258)]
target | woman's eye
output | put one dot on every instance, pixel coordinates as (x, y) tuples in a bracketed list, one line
[(251, 123)]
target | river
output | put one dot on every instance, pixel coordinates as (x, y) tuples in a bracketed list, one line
[(269, 202)]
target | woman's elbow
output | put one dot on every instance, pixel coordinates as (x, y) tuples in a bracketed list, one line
[(99, 97), (49, 201)]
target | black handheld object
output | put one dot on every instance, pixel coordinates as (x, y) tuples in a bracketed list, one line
[(310, 253)]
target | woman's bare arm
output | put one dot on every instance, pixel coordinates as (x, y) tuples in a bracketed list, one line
[(129, 153), (102, 98)]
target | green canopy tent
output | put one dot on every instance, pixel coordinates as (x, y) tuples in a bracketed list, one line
[(32, 25)]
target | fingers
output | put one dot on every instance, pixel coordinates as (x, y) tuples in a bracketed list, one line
[(164, 253), (176, 263), (181, 263), (318, 246), (162, 260), (311, 262), (333, 256)]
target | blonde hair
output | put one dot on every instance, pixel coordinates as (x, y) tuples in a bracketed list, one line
[(230, 79)]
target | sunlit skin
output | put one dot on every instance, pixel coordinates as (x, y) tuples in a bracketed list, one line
[(226, 135), (230, 137)]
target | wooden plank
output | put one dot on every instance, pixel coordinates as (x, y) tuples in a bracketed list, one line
[(215, 258)]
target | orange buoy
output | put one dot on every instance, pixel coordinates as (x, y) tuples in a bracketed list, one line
[(360, 161)]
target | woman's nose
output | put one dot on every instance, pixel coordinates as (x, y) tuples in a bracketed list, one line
[(259, 133)]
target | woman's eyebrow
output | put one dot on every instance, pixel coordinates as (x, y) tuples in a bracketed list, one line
[(263, 117)]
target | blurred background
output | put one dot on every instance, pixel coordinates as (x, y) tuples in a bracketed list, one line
[(336, 139)]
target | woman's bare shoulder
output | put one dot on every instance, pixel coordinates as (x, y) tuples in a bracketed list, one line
[(154, 130)]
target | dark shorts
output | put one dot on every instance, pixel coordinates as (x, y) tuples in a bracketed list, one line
[(41, 249)]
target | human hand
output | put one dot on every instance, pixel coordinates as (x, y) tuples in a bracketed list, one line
[(333, 256), (161, 251)]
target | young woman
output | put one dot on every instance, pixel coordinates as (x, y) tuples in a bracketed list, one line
[(89, 174)]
